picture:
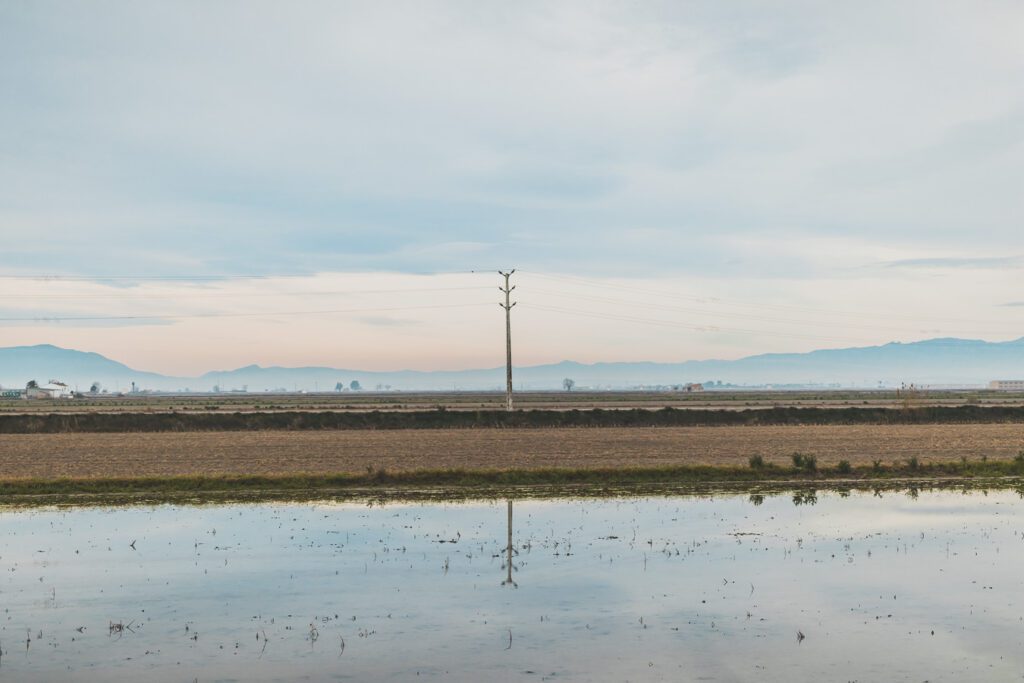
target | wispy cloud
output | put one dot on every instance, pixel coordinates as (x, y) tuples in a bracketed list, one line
[(983, 262)]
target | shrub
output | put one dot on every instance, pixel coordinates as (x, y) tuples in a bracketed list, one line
[(844, 467), (914, 463), (756, 462), (876, 465), (807, 463), (1018, 461)]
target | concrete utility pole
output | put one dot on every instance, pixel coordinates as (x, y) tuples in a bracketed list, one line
[(508, 336)]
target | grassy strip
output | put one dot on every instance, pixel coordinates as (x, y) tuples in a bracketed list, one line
[(467, 419), (803, 472)]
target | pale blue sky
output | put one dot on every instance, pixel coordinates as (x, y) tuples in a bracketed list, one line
[(751, 146)]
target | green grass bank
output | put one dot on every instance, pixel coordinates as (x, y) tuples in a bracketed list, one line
[(804, 472)]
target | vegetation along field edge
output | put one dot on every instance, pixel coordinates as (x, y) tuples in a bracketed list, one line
[(54, 423), (804, 472)]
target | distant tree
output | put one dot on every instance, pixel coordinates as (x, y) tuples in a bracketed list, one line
[(32, 384), (95, 388), (339, 386), (909, 395), (568, 383), (216, 388), (354, 385)]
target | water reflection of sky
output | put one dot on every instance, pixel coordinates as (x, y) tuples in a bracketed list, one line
[(625, 589)]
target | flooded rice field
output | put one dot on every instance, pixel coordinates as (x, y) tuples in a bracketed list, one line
[(729, 588)]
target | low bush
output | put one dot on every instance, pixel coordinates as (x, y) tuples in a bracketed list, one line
[(807, 463)]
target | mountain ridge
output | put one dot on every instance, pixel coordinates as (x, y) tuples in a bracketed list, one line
[(945, 360)]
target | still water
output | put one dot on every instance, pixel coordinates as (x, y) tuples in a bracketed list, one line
[(726, 588)]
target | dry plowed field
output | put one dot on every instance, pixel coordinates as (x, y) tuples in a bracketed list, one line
[(91, 455)]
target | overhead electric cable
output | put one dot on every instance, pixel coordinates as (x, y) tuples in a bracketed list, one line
[(195, 278), (274, 314), (718, 301), (679, 325), (207, 294), (723, 314)]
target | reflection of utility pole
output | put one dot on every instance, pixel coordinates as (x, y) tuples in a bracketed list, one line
[(508, 562), (508, 336)]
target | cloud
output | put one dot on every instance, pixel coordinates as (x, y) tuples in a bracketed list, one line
[(973, 263), (369, 137), (786, 154)]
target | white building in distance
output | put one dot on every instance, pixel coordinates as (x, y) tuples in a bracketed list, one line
[(55, 389), (1007, 384)]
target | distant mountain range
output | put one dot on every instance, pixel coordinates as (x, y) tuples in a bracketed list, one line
[(930, 362)]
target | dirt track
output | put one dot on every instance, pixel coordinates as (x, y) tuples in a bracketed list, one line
[(160, 454)]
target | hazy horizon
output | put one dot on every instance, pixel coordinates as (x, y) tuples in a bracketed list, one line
[(935, 363), (496, 366), (636, 361)]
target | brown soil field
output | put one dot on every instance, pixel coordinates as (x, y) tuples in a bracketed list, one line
[(48, 456)]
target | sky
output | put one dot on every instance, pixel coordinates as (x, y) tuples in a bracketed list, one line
[(336, 183)]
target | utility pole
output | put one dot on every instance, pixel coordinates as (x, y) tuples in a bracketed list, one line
[(508, 336)]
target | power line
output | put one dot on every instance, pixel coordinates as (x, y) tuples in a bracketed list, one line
[(208, 295), (186, 316), (54, 277), (722, 314), (149, 278), (701, 328), (674, 324), (734, 303)]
